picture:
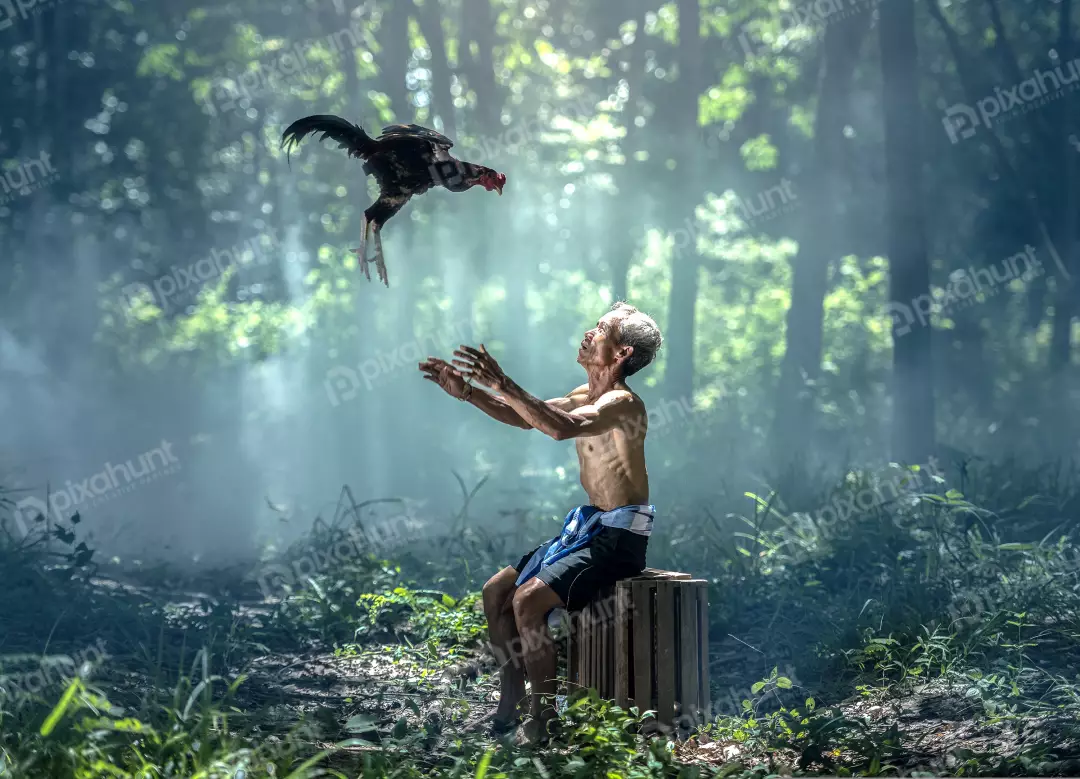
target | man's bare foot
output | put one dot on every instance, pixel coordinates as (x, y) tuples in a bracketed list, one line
[(496, 723), (535, 732), (500, 727)]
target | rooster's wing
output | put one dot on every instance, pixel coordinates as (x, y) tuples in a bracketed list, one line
[(425, 143)]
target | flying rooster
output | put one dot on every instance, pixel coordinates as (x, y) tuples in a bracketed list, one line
[(406, 160)]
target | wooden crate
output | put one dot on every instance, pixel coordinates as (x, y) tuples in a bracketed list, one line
[(644, 642)]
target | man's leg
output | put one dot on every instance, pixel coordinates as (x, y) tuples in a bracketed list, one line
[(498, 597), (532, 602)]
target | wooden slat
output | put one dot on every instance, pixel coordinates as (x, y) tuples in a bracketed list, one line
[(597, 635), (583, 649), (583, 624), (594, 633), (594, 656), (622, 644), (689, 646), (580, 670), (641, 602), (593, 641), (568, 654), (665, 651), (598, 626), (609, 621), (703, 653), (612, 632), (605, 643), (586, 615), (572, 658)]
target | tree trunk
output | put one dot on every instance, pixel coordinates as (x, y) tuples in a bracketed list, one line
[(685, 263), (394, 59), (1065, 238), (486, 123), (909, 269), (626, 233), (818, 247), (429, 17)]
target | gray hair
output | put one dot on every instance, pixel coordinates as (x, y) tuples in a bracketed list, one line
[(639, 331)]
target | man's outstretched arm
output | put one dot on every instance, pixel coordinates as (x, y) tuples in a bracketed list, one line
[(612, 410), (497, 407), (453, 383)]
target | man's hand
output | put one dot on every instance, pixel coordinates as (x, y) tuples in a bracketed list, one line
[(480, 366), (445, 375)]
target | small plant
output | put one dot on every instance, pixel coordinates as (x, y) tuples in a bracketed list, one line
[(425, 614), (807, 735)]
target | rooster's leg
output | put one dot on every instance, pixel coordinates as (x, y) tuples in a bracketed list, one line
[(380, 265), (362, 251)]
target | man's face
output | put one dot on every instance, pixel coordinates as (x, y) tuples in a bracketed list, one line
[(600, 345)]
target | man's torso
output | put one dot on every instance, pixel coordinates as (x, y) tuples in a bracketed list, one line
[(612, 464)]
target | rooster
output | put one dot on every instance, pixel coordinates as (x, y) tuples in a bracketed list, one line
[(406, 160)]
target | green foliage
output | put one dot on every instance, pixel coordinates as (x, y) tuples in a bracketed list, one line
[(160, 60), (816, 737), (759, 153), (428, 616), (727, 102), (194, 735)]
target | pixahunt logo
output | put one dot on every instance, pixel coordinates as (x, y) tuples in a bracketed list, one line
[(286, 67), (25, 177), (768, 204), (185, 283), (342, 383), (961, 120), (55, 671), (964, 289), (103, 486), (812, 14)]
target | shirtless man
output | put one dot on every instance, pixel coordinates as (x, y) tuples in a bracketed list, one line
[(601, 542)]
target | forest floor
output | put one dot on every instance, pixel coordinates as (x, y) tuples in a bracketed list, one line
[(910, 642)]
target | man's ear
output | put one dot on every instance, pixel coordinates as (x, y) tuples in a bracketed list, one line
[(624, 353)]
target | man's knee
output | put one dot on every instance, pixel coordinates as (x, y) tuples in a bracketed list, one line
[(531, 603), (497, 593), (520, 603)]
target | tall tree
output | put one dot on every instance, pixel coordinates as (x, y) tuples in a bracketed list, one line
[(819, 243), (1041, 193), (626, 233), (429, 16), (1065, 218), (909, 268), (685, 194), (478, 30)]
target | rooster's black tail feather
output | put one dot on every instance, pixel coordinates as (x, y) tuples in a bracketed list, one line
[(348, 135)]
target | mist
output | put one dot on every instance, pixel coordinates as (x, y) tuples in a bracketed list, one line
[(171, 280)]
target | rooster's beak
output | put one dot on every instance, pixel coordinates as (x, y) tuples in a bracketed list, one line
[(498, 188)]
